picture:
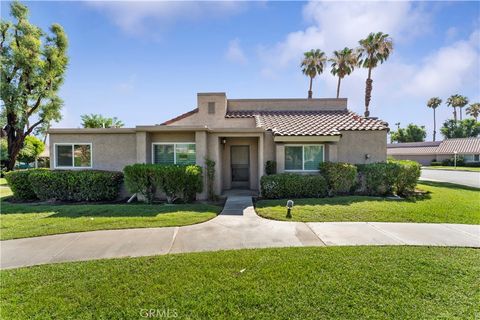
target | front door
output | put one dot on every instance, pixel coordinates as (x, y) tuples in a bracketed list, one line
[(240, 163)]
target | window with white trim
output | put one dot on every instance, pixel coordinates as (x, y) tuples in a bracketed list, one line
[(73, 155), (303, 157), (173, 153)]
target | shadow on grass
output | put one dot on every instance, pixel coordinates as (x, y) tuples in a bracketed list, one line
[(106, 210), (447, 185)]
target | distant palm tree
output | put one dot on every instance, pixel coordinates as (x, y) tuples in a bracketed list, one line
[(474, 110), (312, 65), (455, 101), (434, 103), (375, 49), (343, 64), (398, 125)]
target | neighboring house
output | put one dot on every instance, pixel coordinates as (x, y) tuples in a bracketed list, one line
[(240, 135), (426, 152)]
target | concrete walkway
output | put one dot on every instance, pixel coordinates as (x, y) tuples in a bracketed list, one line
[(237, 227)]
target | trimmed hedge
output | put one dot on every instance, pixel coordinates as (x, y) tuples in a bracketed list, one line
[(73, 185), (406, 176), (340, 177), (176, 181), (19, 182), (290, 185)]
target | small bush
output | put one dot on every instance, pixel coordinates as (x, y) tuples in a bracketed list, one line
[(70, 185), (176, 181), (19, 183), (406, 175), (435, 163), (446, 162), (340, 177), (210, 164), (288, 185), (270, 167), (472, 164), (376, 179)]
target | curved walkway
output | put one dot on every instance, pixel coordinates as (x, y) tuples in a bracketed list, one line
[(237, 227)]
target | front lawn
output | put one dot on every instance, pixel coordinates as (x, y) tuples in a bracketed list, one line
[(29, 220), (291, 283), (473, 169), (446, 203)]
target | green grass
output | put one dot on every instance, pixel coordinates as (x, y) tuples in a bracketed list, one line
[(473, 169), (292, 283), (3, 182), (446, 203), (30, 220)]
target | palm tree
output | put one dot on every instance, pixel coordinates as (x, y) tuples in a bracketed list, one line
[(455, 101), (343, 64), (375, 49), (474, 110), (312, 65), (434, 103)]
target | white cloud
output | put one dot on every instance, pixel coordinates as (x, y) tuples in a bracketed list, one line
[(134, 17), (335, 25), (235, 52)]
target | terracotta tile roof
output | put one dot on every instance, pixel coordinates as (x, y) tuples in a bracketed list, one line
[(310, 123), (462, 146), (180, 117), (449, 146)]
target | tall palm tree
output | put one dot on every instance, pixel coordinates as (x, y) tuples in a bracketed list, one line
[(312, 65), (343, 64), (474, 110), (434, 103), (375, 49), (455, 101)]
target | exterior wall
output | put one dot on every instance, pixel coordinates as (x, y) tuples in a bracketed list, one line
[(286, 104), (355, 145), (226, 161), (109, 151), (425, 160)]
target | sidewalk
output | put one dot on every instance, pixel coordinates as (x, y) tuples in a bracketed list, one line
[(237, 227)]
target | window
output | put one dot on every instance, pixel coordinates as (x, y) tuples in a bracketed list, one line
[(73, 155), (303, 157), (476, 158), (173, 153), (211, 108)]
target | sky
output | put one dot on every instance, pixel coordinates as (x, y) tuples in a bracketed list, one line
[(144, 62)]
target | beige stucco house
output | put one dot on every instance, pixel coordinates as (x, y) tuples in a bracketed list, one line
[(240, 135)]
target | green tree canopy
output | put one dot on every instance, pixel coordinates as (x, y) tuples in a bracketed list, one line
[(412, 133), (32, 148), (33, 64), (99, 121), (460, 129)]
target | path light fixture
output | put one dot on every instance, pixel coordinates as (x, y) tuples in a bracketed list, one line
[(289, 209)]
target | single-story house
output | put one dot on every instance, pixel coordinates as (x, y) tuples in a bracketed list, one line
[(240, 135), (426, 152)]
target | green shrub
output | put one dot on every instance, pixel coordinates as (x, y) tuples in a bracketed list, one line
[(289, 185), (340, 177), (143, 179), (76, 185), (435, 163), (376, 179), (406, 175), (210, 164), (176, 181), (472, 164), (19, 183), (270, 167)]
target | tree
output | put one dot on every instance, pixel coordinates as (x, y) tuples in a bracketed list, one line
[(343, 64), (312, 65), (474, 110), (374, 49), (33, 65), (434, 103), (99, 121), (412, 133), (455, 101), (460, 129), (32, 148)]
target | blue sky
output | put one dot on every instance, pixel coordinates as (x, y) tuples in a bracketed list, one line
[(144, 62)]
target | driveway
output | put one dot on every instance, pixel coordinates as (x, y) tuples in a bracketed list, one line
[(237, 227), (471, 179)]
